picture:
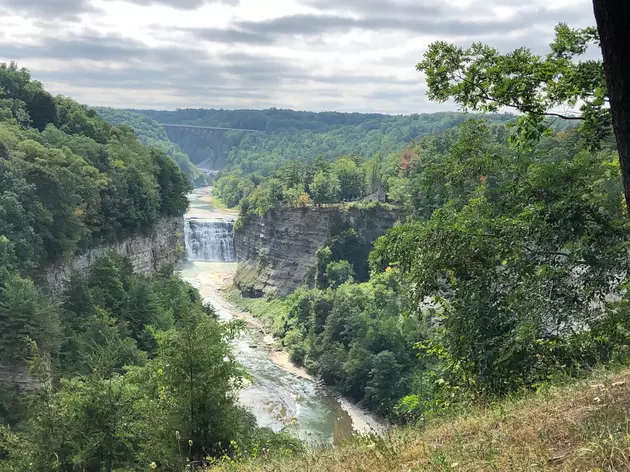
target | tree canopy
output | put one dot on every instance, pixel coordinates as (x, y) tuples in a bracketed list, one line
[(480, 78)]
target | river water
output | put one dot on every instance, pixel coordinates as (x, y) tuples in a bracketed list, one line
[(281, 396)]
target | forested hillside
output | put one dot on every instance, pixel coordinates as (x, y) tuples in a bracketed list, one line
[(509, 271), (507, 276), (152, 134), (70, 180), (299, 136), (122, 372), (487, 289)]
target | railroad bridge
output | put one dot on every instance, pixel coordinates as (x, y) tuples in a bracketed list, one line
[(208, 147)]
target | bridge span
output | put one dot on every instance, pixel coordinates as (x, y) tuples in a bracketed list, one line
[(167, 125)]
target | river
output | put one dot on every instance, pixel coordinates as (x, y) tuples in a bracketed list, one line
[(281, 396)]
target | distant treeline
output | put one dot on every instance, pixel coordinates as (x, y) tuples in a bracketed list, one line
[(288, 135), (151, 133)]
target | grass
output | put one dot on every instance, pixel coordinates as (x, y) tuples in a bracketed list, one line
[(270, 312), (583, 426), (214, 202)]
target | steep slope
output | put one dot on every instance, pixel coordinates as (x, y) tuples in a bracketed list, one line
[(71, 185), (584, 426), (152, 133), (277, 253)]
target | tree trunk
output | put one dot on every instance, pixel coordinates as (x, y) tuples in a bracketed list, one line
[(613, 25)]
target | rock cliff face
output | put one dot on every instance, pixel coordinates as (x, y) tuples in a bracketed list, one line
[(16, 376), (277, 253), (147, 253)]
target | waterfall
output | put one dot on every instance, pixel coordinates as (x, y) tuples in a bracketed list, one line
[(209, 240)]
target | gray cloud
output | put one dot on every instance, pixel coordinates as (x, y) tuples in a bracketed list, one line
[(215, 79), (48, 8), (433, 9), (376, 15), (92, 47), (180, 70), (192, 73), (421, 19), (231, 36), (183, 4), (314, 25), (68, 9)]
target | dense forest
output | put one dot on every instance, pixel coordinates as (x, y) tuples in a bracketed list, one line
[(123, 371), (506, 257), (507, 274), (509, 270), (297, 136), (152, 134)]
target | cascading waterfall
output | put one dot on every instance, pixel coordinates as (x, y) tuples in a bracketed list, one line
[(209, 240)]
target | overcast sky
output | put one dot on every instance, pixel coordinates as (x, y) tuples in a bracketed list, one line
[(343, 55)]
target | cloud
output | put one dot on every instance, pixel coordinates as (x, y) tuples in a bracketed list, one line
[(183, 4), (345, 55), (47, 8), (231, 36), (69, 9), (313, 25)]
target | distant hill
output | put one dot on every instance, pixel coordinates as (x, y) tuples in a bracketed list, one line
[(297, 135), (151, 133)]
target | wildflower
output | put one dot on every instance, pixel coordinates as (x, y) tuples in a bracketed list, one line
[(190, 443), (177, 435), (388, 269), (153, 465)]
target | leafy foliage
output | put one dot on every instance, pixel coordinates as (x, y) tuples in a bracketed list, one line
[(151, 133), (68, 181), (144, 374), (480, 78), (516, 262), (297, 136), (356, 337)]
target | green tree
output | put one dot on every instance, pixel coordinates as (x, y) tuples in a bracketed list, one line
[(339, 272), (173, 185), (480, 78), (324, 258), (191, 404), (384, 383), (351, 178), (42, 109), (325, 188), (87, 423), (26, 314), (501, 264)]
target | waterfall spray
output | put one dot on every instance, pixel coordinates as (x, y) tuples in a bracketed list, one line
[(209, 240)]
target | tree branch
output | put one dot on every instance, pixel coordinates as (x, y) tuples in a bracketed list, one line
[(521, 108)]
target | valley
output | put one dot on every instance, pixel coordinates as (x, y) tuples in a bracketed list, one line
[(280, 395), (209, 289)]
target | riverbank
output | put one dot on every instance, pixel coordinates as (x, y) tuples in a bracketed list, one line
[(580, 426), (282, 395), (204, 205), (363, 422)]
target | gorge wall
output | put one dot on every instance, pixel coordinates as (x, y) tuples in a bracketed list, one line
[(277, 253), (146, 252)]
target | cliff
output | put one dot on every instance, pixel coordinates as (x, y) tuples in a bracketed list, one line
[(277, 253), (146, 252)]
